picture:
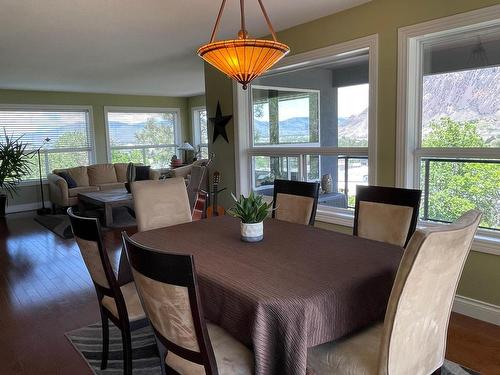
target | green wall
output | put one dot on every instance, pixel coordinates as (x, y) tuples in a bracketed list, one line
[(383, 17), (31, 194)]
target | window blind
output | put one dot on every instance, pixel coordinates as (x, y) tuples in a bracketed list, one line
[(66, 129)]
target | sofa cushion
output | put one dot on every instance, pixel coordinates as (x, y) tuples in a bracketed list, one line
[(121, 172), (82, 189), (111, 186), (101, 174), (142, 172), (79, 174), (69, 180)]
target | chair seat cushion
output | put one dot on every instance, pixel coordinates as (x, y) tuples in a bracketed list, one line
[(81, 189), (232, 357), (357, 354), (132, 301)]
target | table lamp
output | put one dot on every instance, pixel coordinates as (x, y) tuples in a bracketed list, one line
[(186, 146)]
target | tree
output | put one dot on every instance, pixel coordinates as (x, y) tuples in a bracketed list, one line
[(455, 187)]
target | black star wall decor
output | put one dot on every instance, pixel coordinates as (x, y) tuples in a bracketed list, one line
[(220, 123)]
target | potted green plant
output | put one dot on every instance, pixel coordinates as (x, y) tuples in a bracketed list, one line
[(252, 211), (15, 164)]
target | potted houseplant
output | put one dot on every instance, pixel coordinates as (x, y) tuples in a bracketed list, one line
[(15, 163), (252, 211)]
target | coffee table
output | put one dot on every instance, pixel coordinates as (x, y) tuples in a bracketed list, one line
[(106, 199)]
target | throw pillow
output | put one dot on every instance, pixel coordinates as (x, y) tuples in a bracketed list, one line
[(142, 172), (69, 180)]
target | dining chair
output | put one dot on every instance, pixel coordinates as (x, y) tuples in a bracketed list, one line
[(412, 339), (295, 201), (386, 214), (168, 287), (118, 303), (160, 203)]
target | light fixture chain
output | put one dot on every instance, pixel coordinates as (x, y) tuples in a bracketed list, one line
[(217, 22), (242, 14), (275, 38)]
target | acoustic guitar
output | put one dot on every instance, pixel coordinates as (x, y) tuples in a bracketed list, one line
[(201, 196), (214, 209)]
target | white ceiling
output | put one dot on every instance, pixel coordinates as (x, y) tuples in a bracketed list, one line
[(127, 46)]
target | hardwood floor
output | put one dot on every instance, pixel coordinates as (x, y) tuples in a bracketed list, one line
[(45, 291)]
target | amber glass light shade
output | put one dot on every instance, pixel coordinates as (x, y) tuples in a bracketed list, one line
[(243, 59)]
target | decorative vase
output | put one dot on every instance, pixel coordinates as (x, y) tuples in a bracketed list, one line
[(326, 183), (252, 232)]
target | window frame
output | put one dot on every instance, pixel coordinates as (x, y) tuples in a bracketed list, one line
[(57, 108), (244, 149), (409, 151), (196, 128), (122, 109)]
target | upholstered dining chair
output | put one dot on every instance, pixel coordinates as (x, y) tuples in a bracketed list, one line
[(412, 339), (188, 345), (386, 214), (295, 201), (118, 303), (160, 203)]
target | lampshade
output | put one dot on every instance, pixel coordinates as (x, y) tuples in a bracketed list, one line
[(243, 59), (186, 146)]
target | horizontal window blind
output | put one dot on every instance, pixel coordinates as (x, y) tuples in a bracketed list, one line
[(65, 129)]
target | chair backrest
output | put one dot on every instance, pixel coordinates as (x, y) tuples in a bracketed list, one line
[(168, 289), (295, 201), (386, 214), (197, 181), (160, 203), (417, 316), (87, 233)]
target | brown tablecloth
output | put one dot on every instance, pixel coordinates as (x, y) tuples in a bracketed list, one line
[(300, 287)]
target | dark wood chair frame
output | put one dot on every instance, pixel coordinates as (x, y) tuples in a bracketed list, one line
[(301, 188), (389, 195), (179, 270), (90, 230)]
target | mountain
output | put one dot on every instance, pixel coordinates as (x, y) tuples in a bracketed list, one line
[(464, 96)]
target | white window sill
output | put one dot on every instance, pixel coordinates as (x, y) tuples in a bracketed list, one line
[(486, 241)]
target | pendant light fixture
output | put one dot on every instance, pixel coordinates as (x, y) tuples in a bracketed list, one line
[(243, 59)]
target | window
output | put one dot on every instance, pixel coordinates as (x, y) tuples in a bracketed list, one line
[(311, 124), (68, 128), (284, 116), (453, 138), (200, 131), (142, 135)]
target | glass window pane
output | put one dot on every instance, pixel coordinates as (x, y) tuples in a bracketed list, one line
[(159, 157), (202, 119), (461, 108), (352, 112), (267, 168), (356, 174), (130, 129), (285, 117), (455, 187), (127, 156)]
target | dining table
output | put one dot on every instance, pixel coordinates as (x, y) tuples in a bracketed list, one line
[(299, 287)]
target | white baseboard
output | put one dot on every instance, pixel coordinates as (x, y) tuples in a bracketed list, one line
[(26, 207), (477, 309)]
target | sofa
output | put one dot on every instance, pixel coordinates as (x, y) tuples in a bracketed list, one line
[(97, 177)]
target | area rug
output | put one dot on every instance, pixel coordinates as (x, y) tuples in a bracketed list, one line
[(145, 361), (58, 224)]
